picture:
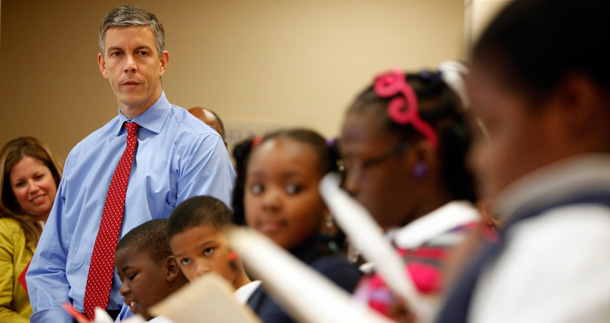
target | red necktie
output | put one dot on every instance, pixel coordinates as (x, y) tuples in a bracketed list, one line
[(101, 269)]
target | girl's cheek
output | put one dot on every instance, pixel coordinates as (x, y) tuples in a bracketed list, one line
[(477, 156)]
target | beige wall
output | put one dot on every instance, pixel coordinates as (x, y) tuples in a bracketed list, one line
[(477, 15), (259, 64)]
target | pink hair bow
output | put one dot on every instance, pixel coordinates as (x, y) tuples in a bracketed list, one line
[(403, 109)]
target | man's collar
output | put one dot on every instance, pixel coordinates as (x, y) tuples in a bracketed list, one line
[(152, 119)]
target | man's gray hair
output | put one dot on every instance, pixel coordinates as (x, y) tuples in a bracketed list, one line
[(125, 16)]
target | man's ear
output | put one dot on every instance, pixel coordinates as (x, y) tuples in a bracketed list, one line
[(102, 64), (164, 61), (172, 269)]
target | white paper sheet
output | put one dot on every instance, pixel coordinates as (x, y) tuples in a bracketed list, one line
[(367, 236), (208, 299), (304, 293)]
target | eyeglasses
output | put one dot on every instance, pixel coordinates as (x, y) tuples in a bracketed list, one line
[(358, 168)]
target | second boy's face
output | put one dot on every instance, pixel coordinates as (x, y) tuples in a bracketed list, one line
[(144, 282), (200, 250)]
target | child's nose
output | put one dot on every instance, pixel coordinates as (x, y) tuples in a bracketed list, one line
[(125, 290), (272, 199), (202, 268), (351, 184)]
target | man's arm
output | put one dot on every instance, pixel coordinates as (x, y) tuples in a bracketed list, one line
[(207, 171), (46, 277)]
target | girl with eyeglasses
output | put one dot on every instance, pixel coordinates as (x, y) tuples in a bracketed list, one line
[(404, 142)]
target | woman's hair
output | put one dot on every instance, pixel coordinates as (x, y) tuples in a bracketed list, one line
[(440, 108), (533, 45), (10, 155)]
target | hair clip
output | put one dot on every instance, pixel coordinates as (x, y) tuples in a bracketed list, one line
[(430, 76), (452, 73), (255, 141), (232, 257), (403, 109)]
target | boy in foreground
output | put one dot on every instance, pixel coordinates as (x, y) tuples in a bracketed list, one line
[(147, 269)]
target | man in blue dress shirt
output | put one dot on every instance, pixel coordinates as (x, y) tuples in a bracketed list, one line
[(175, 158)]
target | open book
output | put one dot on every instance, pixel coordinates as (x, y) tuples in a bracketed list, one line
[(208, 299)]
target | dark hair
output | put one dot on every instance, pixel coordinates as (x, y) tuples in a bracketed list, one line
[(327, 157), (10, 155), (241, 151), (150, 238), (441, 108), (533, 44), (198, 211)]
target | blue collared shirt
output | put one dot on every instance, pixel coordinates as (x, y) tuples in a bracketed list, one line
[(176, 157)]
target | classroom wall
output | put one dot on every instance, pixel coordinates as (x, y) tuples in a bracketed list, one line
[(259, 64), (477, 15)]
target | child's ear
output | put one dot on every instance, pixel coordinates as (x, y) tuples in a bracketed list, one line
[(421, 159), (172, 269), (578, 100)]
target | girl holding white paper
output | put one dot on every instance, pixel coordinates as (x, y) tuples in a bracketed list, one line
[(282, 201), (404, 143)]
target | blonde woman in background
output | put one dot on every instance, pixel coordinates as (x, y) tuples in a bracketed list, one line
[(29, 176)]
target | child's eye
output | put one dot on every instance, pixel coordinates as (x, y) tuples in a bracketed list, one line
[(256, 189), (132, 276), (185, 261), (208, 251), (292, 189)]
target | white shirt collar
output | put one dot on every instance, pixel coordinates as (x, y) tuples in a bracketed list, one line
[(243, 293), (435, 223), (555, 182)]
